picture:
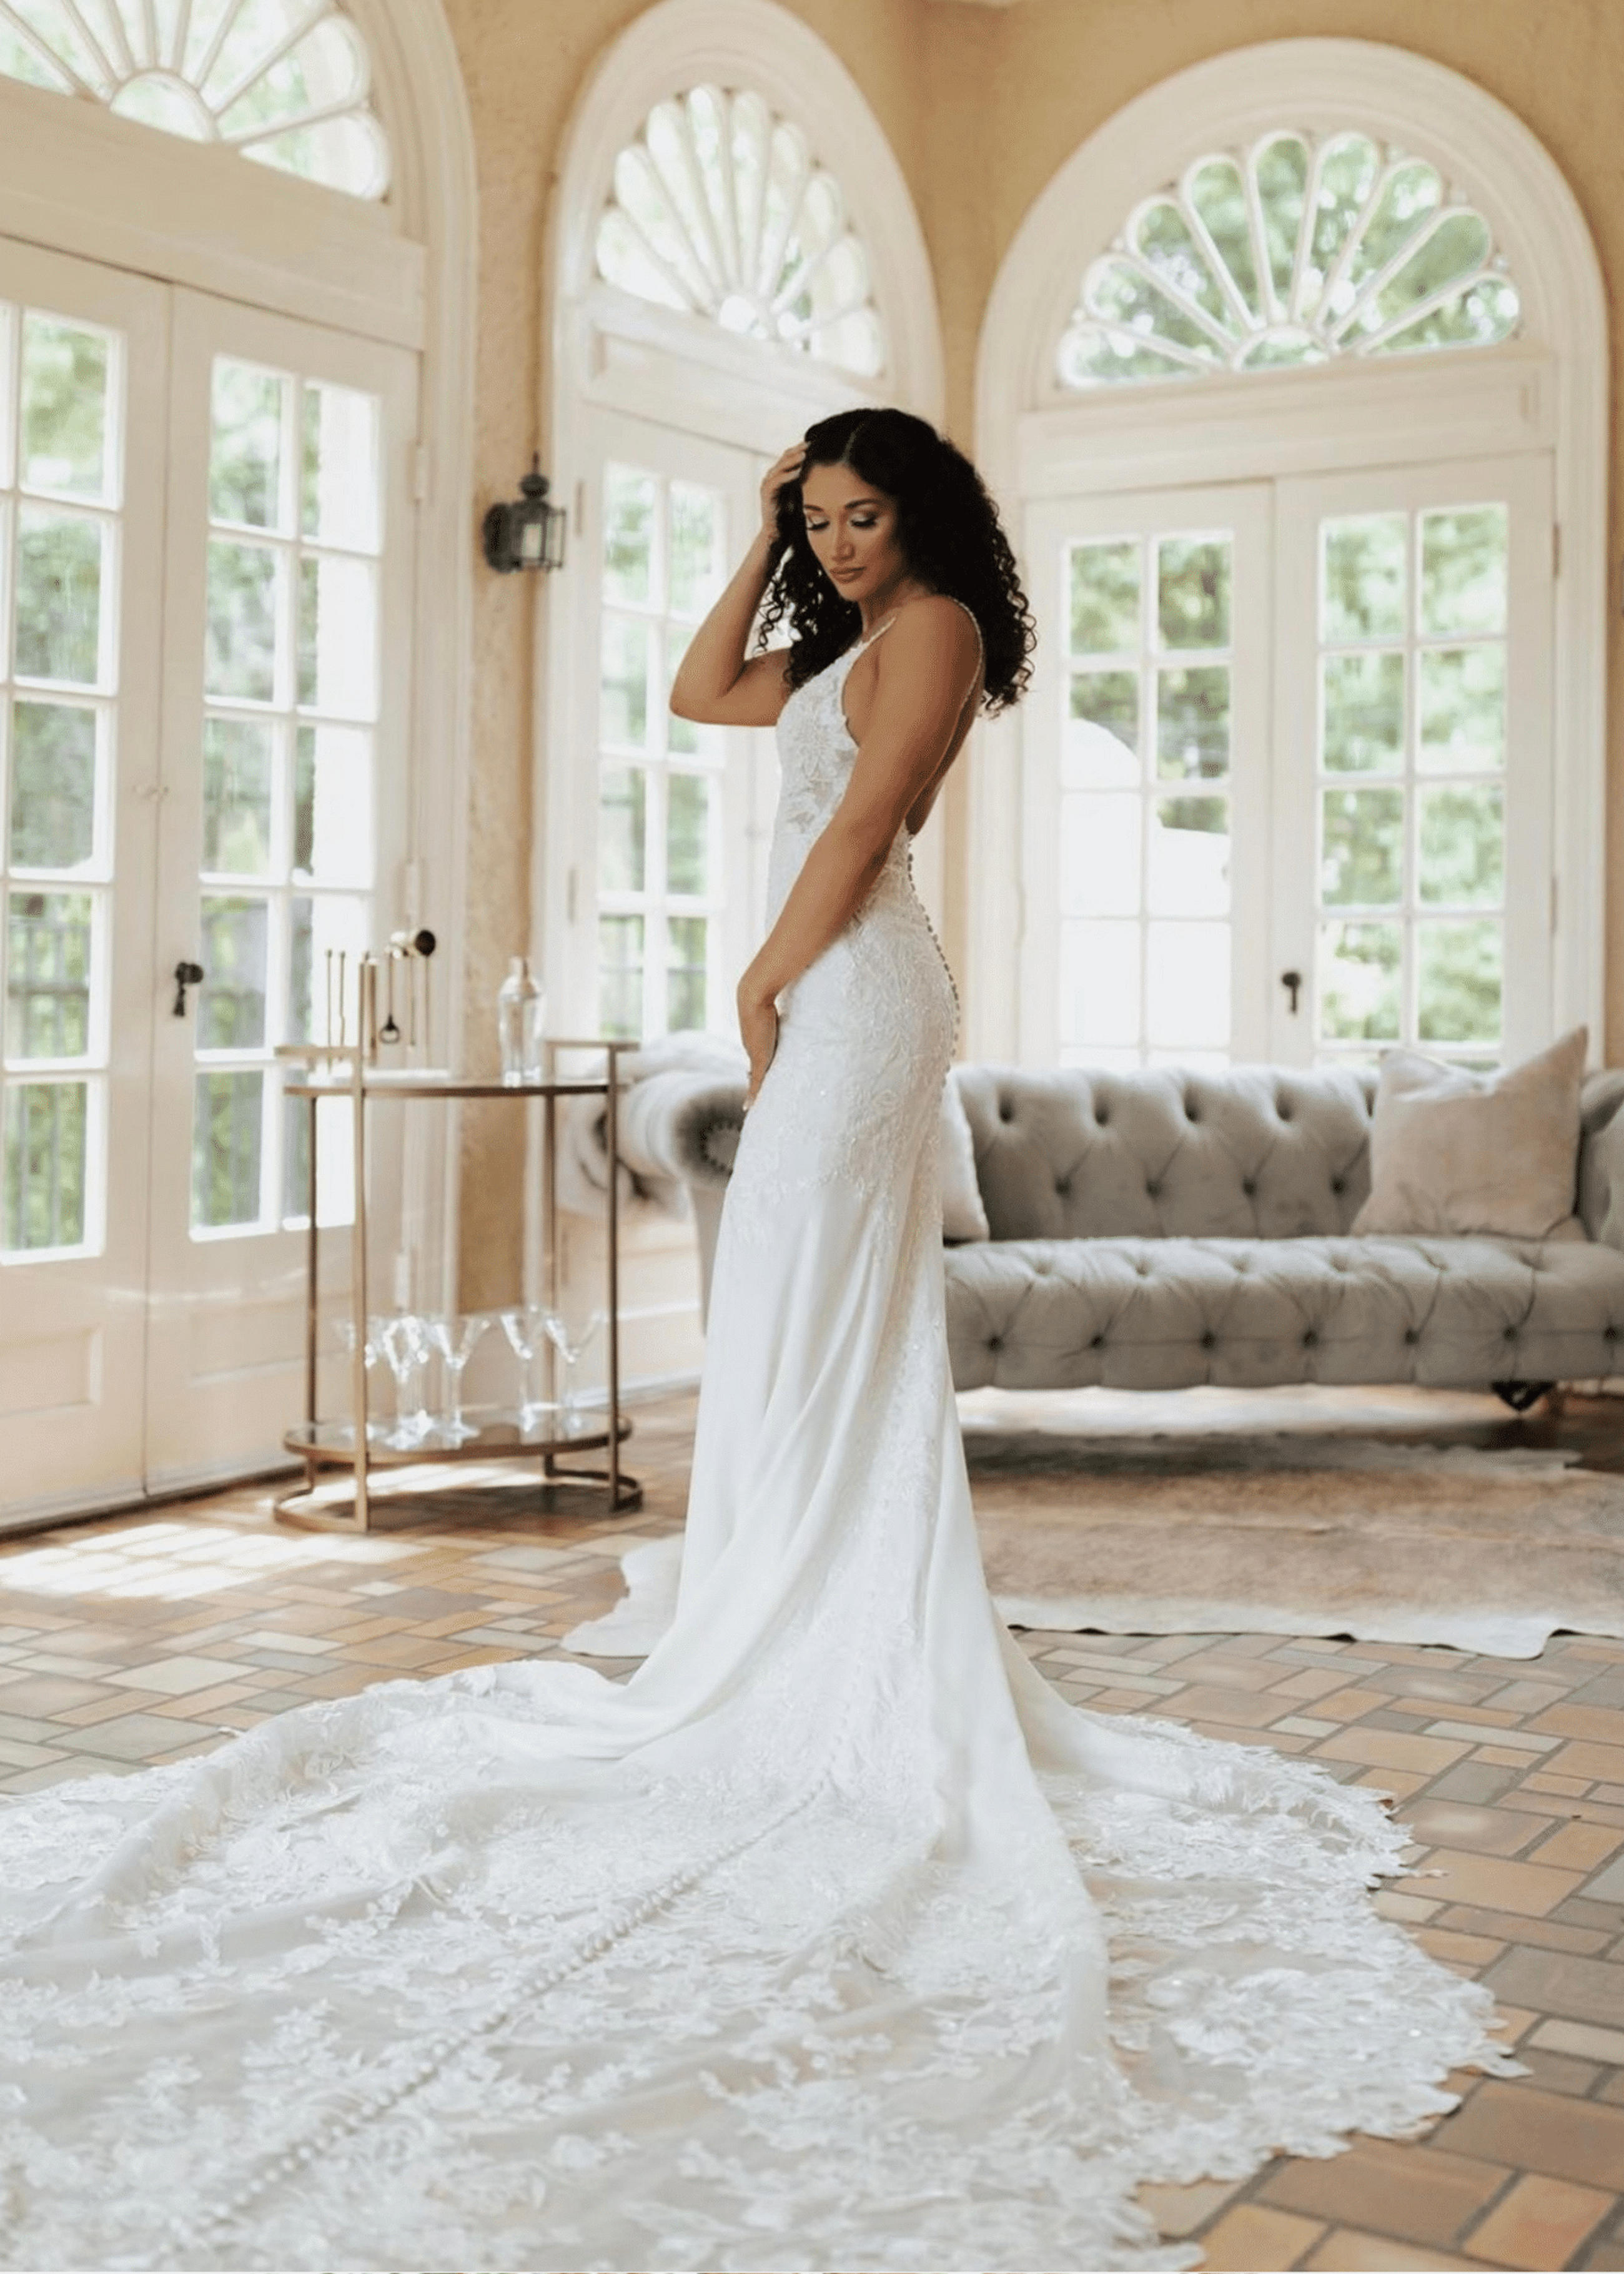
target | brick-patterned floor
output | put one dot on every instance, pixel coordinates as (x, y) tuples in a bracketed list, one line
[(140, 1638)]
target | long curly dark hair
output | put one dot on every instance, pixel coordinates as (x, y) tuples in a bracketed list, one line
[(949, 531)]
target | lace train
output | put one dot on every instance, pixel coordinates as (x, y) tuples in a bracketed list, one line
[(834, 1939)]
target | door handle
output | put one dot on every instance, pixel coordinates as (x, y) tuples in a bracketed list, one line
[(1292, 981), (186, 974)]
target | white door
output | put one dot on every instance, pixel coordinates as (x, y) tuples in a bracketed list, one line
[(285, 827), (1413, 771), (667, 822), (83, 392), (1146, 751)]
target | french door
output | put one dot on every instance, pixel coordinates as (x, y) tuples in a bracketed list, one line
[(208, 560), (1288, 769), (1147, 777), (84, 358), (1414, 762)]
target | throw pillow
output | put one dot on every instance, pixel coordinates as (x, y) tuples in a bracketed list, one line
[(963, 1214), (1456, 1152)]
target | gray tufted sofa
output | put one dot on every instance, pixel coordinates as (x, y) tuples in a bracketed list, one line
[(1159, 1228)]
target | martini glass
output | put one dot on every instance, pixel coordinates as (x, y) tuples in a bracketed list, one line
[(454, 1340), (405, 1343), (526, 1329), (371, 1354), (571, 1336)]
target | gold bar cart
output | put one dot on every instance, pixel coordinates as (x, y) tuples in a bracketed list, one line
[(325, 1445)]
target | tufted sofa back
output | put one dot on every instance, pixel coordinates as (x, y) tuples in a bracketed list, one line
[(1248, 1152)]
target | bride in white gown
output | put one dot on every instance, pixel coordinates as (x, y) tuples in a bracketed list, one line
[(832, 1938)]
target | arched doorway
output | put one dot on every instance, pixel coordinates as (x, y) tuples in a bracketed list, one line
[(235, 410), (1306, 346)]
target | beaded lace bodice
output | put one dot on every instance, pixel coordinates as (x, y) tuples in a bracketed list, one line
[(832, 1939)]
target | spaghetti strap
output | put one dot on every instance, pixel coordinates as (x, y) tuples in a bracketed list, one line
[(852, 653)]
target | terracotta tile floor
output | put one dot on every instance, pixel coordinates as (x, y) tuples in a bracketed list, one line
[(141, 1638)]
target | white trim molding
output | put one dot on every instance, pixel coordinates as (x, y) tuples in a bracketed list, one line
[(1546, 389)]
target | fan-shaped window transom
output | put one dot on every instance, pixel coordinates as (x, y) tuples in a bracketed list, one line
[(284, 81), (719, 208), (1300, 250)]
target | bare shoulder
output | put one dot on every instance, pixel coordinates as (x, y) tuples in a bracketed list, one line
[(933, 628)]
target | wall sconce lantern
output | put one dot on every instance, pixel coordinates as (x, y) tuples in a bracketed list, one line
[(529, 533)]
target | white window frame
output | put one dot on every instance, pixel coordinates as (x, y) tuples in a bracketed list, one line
[(1244, 512), (1547, 392)]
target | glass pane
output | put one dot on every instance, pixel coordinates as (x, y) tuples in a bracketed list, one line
[(688, 833), (1192, 592), (333, 804), (59, 597), (627, 534), (1363, 595), (1099, 984), (1105, 598), (1458, 976), (620, 976), (236, 797), (1360, 969), (227, 1141), (1463, 570), (323, 926), (241, 657), (1462, 846), (53, 786), (1186, 984), (685, 970), (1192, 721), (1362, 713), (245, 457), (622, 803), (65, 408), (335, 1162), (685, 738), (1102, 734), (296, 1162), (45, 1125), (48, 961), (1462, 709), (696, 548), (1188, 866), (1362, 848), (338, 468), (338, 637), (1100, 855), (625, 681), (232, 1005)]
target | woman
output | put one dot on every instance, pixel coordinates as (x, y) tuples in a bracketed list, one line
[(783, 1954)]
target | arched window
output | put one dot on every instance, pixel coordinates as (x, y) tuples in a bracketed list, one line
[(720, 208), (737, 256), (1313, 761), (1299, 249), (285, 83)]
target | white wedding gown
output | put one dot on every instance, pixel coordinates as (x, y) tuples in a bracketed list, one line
[(833, 1939)]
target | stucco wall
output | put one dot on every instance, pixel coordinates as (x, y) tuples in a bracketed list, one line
[(982, 104)]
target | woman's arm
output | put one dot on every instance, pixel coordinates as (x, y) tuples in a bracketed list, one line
[(927, 668), (717, 682)]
